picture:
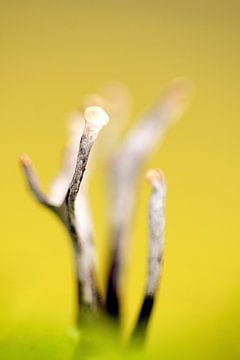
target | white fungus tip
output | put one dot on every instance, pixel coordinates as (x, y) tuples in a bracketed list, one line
[(25, 160), (96, 117), (155, 175), (179, 93)]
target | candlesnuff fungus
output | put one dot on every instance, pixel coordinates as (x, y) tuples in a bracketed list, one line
[(68, 200)]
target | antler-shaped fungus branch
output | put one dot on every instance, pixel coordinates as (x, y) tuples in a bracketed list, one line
[(95, 118)]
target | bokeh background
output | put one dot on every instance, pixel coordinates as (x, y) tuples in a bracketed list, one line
[(52, 54)]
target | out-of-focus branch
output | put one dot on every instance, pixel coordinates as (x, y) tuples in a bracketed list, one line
[(156, 219), (63, 202), (115, 99), (60, 184), (125, 167)]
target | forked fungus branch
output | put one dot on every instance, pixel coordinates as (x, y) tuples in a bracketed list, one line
[(95, 118)]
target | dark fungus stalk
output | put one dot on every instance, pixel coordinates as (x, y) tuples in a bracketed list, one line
[(67, 197)]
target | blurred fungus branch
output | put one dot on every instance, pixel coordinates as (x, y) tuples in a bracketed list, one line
[(125, 166), (67, 197)]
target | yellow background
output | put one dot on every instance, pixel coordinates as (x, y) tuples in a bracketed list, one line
[(52, 54)]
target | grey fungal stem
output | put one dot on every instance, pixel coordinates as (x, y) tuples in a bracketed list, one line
[(156, 218), (124, 170), (68, 209), (95, 119)]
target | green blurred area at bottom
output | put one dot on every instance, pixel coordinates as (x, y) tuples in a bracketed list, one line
[(101, 340)]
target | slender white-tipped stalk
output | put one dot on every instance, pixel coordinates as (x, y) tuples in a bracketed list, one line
[(156, 220), (76, 125), (95, 119)]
